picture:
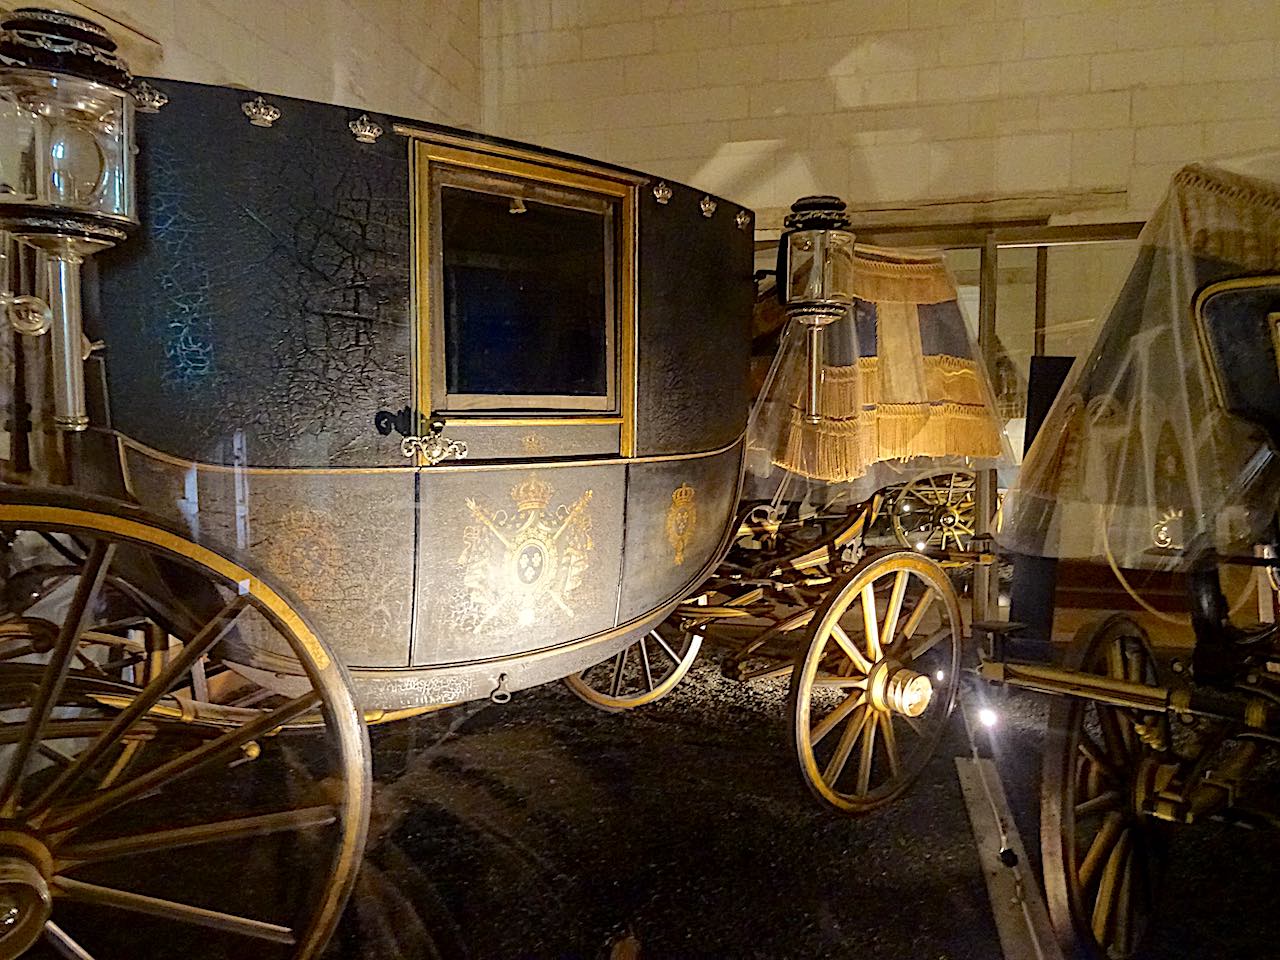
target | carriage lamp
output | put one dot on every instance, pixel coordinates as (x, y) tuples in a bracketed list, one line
[(66, 175), (815, 279)]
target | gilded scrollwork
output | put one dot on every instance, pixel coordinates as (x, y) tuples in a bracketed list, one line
[(524, 563)]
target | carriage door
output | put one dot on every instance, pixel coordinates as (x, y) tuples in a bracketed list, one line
[(525, 353)]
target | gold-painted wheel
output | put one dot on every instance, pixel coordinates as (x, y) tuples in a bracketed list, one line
[(936, 512), (1103, 859), (645, 671), (146, 769), (871, 696)]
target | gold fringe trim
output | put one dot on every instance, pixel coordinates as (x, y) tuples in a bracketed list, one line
[(947, 379), (840, 450), (1229, 217), (859, 427)]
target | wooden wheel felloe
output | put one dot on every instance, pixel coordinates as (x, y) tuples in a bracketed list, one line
[(935, 512), (152, 785), (1102, 857), (871, 697), (645, 671)]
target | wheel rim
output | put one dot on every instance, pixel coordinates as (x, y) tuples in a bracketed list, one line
[(936, 512), (1102, 857), (872, 695), (641, 673), (141, 768)]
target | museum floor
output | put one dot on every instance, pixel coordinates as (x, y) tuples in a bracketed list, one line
[(547, 829)]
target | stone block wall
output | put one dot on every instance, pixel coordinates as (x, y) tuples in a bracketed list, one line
[(943, 109), (418, 59)]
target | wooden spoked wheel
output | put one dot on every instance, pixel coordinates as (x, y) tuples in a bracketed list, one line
[(150, 790), (936, 512), (1102, 858), (871, 697), (641, 673)]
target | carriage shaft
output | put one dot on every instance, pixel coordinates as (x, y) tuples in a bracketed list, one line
[(1253, 712)]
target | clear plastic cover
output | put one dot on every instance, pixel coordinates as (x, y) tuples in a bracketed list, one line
[(1136, 463), (903, 390)]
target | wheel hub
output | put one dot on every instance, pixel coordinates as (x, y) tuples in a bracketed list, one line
[(897, 689), (25, 901)]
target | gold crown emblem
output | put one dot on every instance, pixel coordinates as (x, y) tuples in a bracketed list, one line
[(365, 130), (683, 495), (260, 113), (531, 494)]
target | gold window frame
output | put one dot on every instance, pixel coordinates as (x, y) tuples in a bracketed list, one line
[(428, 153)]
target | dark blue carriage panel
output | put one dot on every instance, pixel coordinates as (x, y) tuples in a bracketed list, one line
[(339, 541), (695, 300), (678, 512), (515, 560), (262, 311)]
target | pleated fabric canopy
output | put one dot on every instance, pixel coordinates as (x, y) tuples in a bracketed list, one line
[(902, 380)]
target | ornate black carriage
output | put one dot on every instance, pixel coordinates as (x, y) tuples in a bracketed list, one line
[(351, 417)]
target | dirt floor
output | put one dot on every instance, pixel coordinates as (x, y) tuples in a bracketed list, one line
[(547, 829)]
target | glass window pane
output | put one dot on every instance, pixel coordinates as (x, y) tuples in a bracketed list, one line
[(1082, 282), (528, 289)]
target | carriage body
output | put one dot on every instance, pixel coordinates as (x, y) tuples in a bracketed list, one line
[(300, 301)]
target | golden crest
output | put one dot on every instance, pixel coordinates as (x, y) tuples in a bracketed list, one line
[(682, 520), (305, 550), (525, 563)]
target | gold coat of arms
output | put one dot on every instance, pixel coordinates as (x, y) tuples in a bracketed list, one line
[(523, 564), (682, 519)]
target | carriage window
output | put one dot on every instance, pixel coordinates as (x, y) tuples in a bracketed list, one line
[(528, 295)]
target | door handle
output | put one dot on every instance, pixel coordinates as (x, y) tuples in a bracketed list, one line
[(431, 444)]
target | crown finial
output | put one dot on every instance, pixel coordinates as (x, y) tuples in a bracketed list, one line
[(662, 192), (148, 98), (260, 113), (708, 206), (365, 130)]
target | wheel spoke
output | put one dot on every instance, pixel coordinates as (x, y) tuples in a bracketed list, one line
[(916, 617), (169, 909), (860, 662), (224, 831), (853, 729), (62, 943), (1095, 755), (839, 683), (644, 662), (828, 723), (890, 744), (1100, 848), (1116, 747), (619, 664), (55, 674), (161, 684), (1108, 800), (665, 646), (1124, 912), (871, 622), (895, 607), (215, 751), (1105, 906), (867, 759)]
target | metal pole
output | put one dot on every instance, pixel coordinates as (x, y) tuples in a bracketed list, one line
[(983, 580), (62, 270), (1042, 299)]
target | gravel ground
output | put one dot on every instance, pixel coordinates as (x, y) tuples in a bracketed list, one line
[(547, 829)]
